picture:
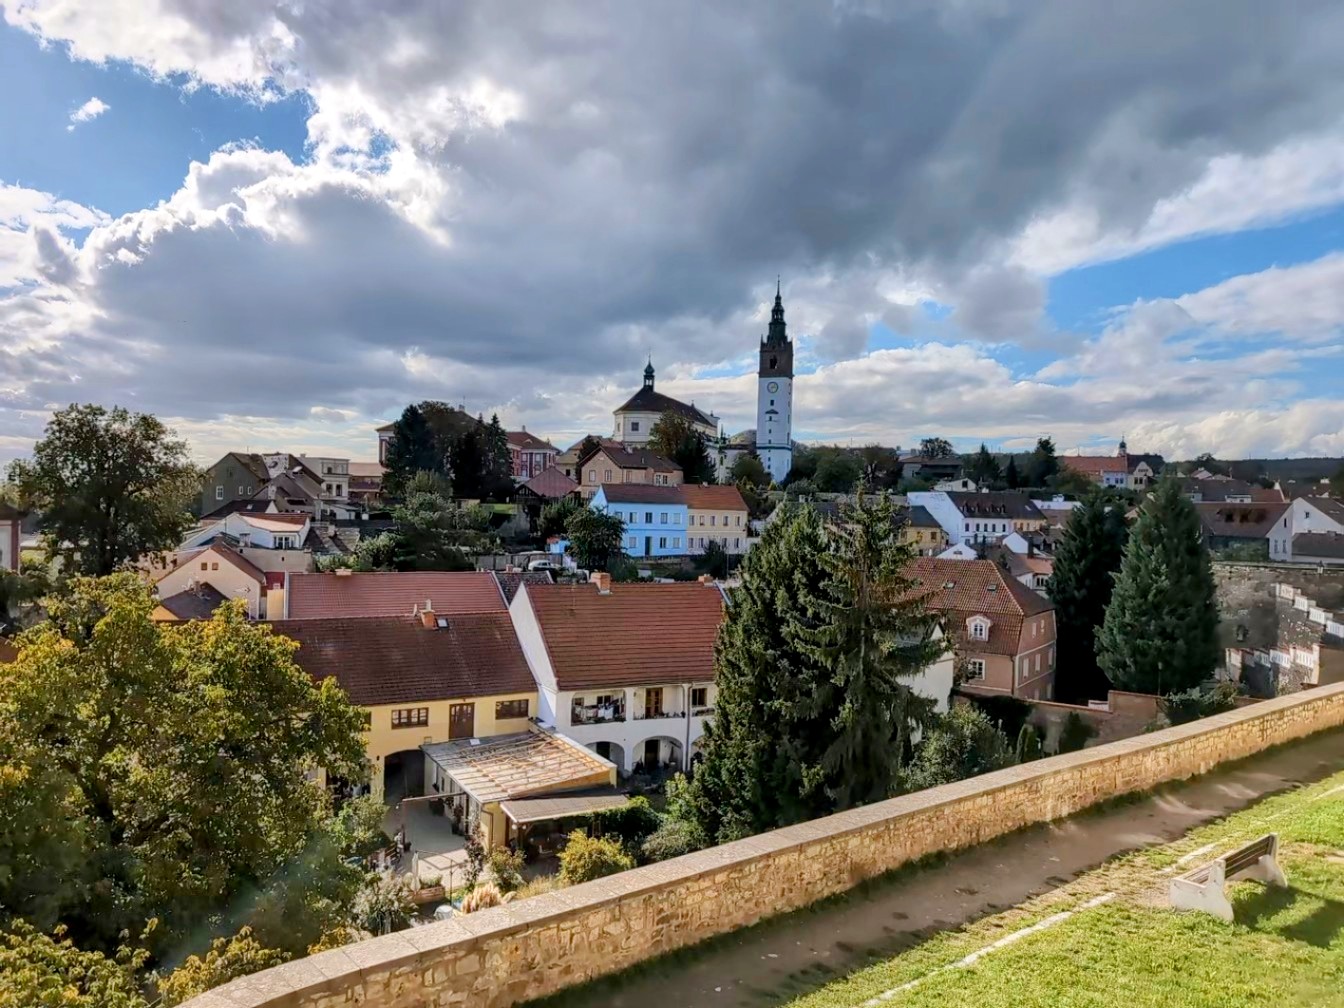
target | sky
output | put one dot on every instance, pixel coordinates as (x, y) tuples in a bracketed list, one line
[(274, 224)]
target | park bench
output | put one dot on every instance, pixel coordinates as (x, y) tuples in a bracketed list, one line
[(1204, 889)]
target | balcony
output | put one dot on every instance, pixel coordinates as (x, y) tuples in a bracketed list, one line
[(596, 713), (658, 715), (702, 712)]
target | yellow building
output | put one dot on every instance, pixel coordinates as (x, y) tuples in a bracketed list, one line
[(923, 532), (715, 514)]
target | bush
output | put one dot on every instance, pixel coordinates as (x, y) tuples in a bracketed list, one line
[(1028, 744), (228, 958), (359, 826), (1200, 702), (586, 858), (631, 823), (482, 897), (38, 969), (475, 851), (540, 886), (1075, 734), (671, 839), (385, 904), (507, 867), (962, 743)]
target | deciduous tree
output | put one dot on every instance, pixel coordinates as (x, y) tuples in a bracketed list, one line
[(111, 486), (1160, 634), (1085, 566), (595, 538), (983, 467), (936, 447), (675, 438), (962, 743)]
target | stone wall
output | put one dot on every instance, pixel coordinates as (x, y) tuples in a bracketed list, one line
[(500, 957)]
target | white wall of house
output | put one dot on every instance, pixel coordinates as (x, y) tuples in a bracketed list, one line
[(528, 630), (944, 512), (1305, 516), (207, 567)]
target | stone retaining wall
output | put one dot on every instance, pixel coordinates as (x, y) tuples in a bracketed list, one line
[(512, 953)]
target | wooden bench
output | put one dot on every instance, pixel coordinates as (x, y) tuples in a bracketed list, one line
[(1204, 888)]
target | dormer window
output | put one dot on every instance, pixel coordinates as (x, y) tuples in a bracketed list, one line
[(977, 627)]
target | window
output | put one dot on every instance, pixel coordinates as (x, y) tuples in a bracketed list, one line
[(1036, 662), (702, 519), (634, 426), (712, 520), (699, 696), (214, 565), (979, 629), (1035, 626), (676, 542), (975, 669), (648, 517), (653, 701), (676, 518), (737, 520), (630, 542), (205, 565), (592, 475), (662, 518), (240, 491), (410, 717), (505, 709), (219, 493), (606, 475), (737, 544), (662, 542), (283, 542)]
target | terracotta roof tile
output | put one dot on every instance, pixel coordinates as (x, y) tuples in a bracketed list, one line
[(529, 442), (510, 581), (1095, 465), (393, 660), (639, 634), (319, 596), (552, 483), (964, 588), (710, 497)]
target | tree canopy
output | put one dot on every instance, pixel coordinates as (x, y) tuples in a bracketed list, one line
[(936, 447), (1042, 465), (159, 772), (413, 449), (595, 538), (111, 486), (1086, 562), (1160, 634), (962, 743), (432, 436), (675, 438), (983, 467)]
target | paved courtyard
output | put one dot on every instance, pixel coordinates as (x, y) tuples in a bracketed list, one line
[(435, 848)]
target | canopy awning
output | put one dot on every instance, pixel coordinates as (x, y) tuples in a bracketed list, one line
[(529, 810)]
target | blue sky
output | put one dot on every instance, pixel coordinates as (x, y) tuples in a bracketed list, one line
[(436, 203)]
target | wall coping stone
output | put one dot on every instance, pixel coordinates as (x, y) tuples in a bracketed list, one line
[(334, 970)]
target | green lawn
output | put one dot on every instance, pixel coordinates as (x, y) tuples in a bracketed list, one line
[(1285, 949)]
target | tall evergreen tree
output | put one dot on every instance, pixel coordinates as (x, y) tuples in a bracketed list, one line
[(1086, 562), (496, 463), (983, 467), (1160, 634), (873, 632), (1043, 464), (763, 753), (1011, 477), (413, 449)]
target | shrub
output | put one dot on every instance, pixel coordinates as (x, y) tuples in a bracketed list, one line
[(540, 886), (671, 839), (359, 826), (228, 958), (631, 823), (962, 743), (507, 867), (384, 904), (475, 851), (1075, 734), (431, 881), (586, 858), (1200, 702), (482, 897)]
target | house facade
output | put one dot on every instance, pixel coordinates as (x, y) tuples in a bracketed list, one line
[(715, 514), (1003, 633), (11, 518), (634, 419), (626, 670), (333, 475), (223, 569), (1308, 515), (656, 517), (622, 465), (1121, 470), (529, 455), (1257, 527), (236, 476), (980, 518)]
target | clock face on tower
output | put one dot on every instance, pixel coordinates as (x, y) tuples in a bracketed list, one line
[(772, 386)]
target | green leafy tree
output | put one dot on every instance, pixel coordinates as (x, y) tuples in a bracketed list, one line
[(172, 759), (1160, 634), (1042, 465), (1012, 479), (21, 593), (804, 465), (111, 486), (587, 448), (880, 467), (413, 449), (507, 868), (983, 467), (555, 517), (376, 553), (873, 632), (675, 438), (227, 959), (595, 538), (936, 447), (838, 471), (1072, 483), (1086, 563), (672, 838), (586, 858), (434, 534), (962, 743), (48, 971), (385, 904), (713, 561), (748, 468), (358, 827)]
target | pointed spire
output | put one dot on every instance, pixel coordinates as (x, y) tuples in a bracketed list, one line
[(778, 333), (648, 373)]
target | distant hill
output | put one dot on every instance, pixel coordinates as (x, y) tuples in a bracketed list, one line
[(1283, 468)]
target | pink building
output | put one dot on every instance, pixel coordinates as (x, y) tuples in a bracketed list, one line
[(530, 455)]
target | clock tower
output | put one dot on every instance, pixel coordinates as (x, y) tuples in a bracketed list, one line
[(774, 397)]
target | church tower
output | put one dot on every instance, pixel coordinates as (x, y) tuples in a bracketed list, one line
[(774, 397)]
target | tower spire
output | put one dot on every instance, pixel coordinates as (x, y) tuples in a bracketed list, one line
[(648, 373)]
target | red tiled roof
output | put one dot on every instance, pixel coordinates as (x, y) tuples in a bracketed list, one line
[(1239, 521), (708, 497), (965, 588), (320, 596), (394, 660), (641, 493), (638, 458), (639, 634), (529, 442), (509, 581), (1095, 465), (552, 483), (366, 470)]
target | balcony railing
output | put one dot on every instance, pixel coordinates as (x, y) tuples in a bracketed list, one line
[(702, 711), (597, 714), (647, 716)]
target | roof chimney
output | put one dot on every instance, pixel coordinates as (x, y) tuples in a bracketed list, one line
[(427, 617), (603, 581), (706, 579)]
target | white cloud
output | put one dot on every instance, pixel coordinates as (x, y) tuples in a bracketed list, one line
[(91, 109)]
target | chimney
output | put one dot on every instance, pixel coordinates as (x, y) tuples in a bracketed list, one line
[(427, 615), (343, 572), (603, 581), (706, 579)]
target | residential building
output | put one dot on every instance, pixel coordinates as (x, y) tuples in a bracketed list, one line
[(1121, 470), (236, 476), (980, 517), (962, 484), (197, 603), (550, 486), (529, 455), (627, 465), (219, 567), (624, 669), (934, 468), (730, 449), (1305, 516), (421, 678), (1003, 632), (1057, 510), (774, 396), (366, 484), (715, 514), (275, 543), (1229, 491), (1255, 526), (655, 517), (568, 460), (634, 419), (332, 473), (11, 518), (511, 579), (353, 594), (1323, 548), (385, 433), (918, 527)]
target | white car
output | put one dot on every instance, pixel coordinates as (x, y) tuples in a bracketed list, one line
[(545, 565)]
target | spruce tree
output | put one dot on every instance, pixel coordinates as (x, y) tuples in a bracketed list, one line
[(1160, 634), (1011, 478), (1042, 465), (983, 467), (762, 754), (873, 632), (1086, 562), (412, 450)]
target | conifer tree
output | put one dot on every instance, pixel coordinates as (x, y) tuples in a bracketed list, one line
[(412, 450), (1160, 634), (873, 632), (1011, 478), (1086, 562), (983, 467)]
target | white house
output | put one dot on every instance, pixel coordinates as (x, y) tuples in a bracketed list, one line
[(223, 569), (273, 531), (1305, 516), (963, 484), (626, 670)]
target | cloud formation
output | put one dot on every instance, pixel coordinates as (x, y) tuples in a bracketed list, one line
[(512, 208), (91, 109)]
